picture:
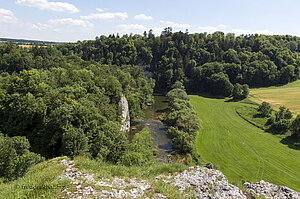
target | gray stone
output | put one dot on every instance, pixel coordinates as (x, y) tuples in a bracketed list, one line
[(269, 190), (200, 181), (125, 118)]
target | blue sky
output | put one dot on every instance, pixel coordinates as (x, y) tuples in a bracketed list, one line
[(72, 20)]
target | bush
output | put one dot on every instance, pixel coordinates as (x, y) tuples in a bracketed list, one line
[(140, 151), (265, 109), (15, 157), (281, 126), (210, 165), (283, 113), (131, 158), (282, 120), (240, 91), (177, 93), (270, 120), (295, 127)]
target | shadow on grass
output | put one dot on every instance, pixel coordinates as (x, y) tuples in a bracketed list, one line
[(275, 131), (257, 115), (234, 100), (207, 95), (293, 141)]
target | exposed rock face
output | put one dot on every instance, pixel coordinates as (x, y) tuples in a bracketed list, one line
[(125, 118), (269, 190), (196, 182), (206, 183), (86, 186)]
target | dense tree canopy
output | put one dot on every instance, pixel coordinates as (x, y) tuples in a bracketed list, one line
[(67, 106), (201, 61), (183, 122), (64, 98)]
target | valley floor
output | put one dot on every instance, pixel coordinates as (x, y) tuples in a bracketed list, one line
[(241, 150)]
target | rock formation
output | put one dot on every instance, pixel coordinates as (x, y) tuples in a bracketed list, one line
[(269, 190), (125, 118), (195, 182)]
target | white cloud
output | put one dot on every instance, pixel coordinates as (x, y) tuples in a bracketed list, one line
[(175, 25), (243, 31), (39, 26), (208, 29), (222, 26), (132, 28), (7, 16), (46, 5), (142, 17), (107, 16), (71, 22), (99, 9)]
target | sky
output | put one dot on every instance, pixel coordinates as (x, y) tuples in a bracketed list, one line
[(73, 20)]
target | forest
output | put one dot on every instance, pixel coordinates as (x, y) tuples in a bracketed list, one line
[(64, 105), (203, 62), (64, 98)]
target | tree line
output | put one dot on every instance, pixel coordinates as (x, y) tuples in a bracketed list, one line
[(280, 121), (203, 62), (183, 122)]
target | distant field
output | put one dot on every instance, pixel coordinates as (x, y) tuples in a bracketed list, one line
[(288, 95), (28, 46), (243, 151)]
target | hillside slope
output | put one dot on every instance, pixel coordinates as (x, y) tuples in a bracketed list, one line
[(287, 95), (243, 151), (85, 178)]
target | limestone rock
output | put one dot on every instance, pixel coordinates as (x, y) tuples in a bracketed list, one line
[(207, 183), (125, 118), (195, 182), (269, 190)]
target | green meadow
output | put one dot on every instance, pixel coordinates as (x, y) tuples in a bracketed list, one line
[(241, 150)]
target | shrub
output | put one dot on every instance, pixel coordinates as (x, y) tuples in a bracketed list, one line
[(270, 120), (210, 165), (265, 109), (295, 127), (240, 91), (140, 151), (15, 157), (281, 126)]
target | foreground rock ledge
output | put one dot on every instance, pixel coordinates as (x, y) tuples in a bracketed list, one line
[(196, 182)]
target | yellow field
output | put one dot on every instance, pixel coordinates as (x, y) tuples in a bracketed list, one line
[(28, 46), (287, 95)]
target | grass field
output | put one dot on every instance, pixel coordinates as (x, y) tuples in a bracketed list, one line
[(28, 45), (288, 95), (243, 151)]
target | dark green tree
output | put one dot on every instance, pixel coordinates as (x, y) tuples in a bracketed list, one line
[(295, 127), (265, 109)]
